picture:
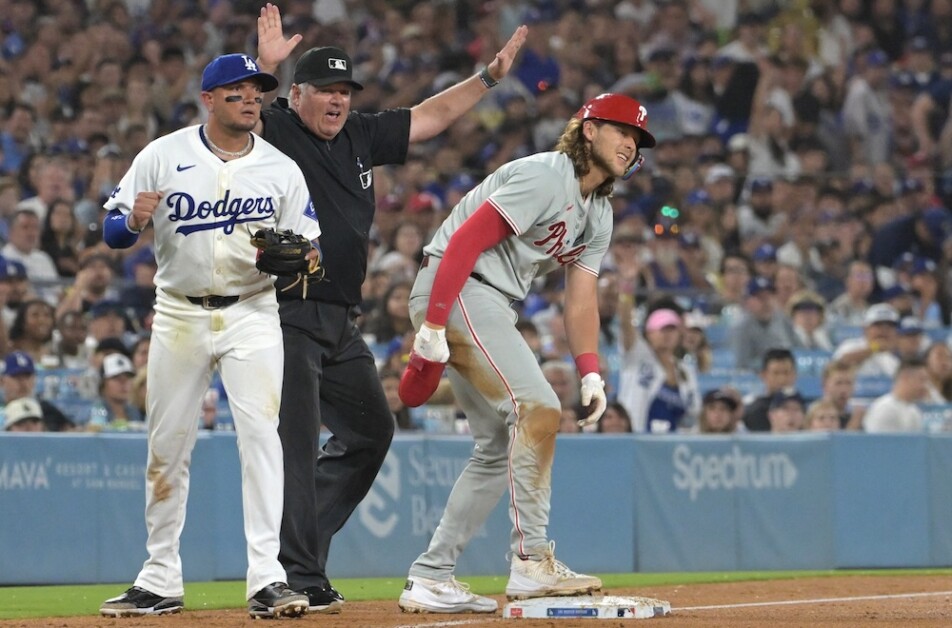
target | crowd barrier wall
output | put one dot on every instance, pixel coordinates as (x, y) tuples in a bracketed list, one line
[(71, 506)]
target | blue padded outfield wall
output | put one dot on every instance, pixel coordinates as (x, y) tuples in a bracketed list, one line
[(71, 506)]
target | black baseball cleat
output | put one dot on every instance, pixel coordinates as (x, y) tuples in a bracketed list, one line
[(323, 599), (137, 601), (277, 600)]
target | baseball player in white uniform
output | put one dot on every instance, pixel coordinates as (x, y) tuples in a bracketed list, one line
[(532, 216), (206, 188)]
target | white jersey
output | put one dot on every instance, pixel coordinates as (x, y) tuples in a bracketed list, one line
[(539, 198), (209, 208)]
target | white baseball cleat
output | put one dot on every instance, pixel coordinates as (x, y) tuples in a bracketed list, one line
[(546, 577), (423, 595)]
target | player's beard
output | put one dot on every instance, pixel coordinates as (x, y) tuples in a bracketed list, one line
[(603, 164)]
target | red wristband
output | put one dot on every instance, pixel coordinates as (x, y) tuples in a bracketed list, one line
[(586, 363)]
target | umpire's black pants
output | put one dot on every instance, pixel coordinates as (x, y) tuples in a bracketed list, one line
[(329, 377)]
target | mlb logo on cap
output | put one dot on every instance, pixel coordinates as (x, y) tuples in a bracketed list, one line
[(325, 66)]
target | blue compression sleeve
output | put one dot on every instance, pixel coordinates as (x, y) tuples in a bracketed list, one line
[(116, 232)]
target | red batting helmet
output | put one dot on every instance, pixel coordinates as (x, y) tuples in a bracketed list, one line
[(620, 109)]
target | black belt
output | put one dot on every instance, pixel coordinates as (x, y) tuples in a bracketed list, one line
[(213, 301), (476, 276)]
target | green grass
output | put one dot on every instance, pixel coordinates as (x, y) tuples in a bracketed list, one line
[(65, 601)]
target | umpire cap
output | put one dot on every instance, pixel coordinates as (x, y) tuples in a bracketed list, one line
[(620, 109), (325, 66)]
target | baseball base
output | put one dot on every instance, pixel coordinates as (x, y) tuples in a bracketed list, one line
[(587, 607)]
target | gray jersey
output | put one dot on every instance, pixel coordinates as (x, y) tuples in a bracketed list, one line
[(539, 198)]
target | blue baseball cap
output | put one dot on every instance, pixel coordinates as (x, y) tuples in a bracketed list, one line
[(698, 197), (765, 253), (11, 269), (780, 399), (910, 326), (922, 266), (228, 69), (761, 184), (938, 222), (758, 285), (877, 58), (18, 363), (462, 182)]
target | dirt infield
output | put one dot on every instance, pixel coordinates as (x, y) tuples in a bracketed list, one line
[(828, 601)]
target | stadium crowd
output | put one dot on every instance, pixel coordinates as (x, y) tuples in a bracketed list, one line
[(781, 264)]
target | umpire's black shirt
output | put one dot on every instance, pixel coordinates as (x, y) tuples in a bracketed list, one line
[(339, 177)]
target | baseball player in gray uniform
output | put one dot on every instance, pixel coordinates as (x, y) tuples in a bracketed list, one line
[(532, 216), (205, 188)]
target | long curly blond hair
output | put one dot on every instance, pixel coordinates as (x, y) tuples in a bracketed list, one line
[(572, 142)]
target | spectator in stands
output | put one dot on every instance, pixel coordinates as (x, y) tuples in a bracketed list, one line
[(93, 285), (694, 345), (209, 413), (615, 420), (921, 233), (787, 282), (838, 382), (9, 196), (15, 288), (32, 331), (69, 341), (19, 381), (764, 259), (823, 416), (564, 381), (139, 298), (24, 247), (16, 138), (929, 301), (114, 409), (911, 339), (898, 410), (60, 237), (659, 390), (806, 311), (667, 270), (568, 421), (23, 415), (390, 379), (762, 326), (786, 412), (140, 352), (391, 318), (850, 307), (873, 354), (732, 285), (778, 372), (720, 412), (866, 110), (938, 360), (404, 252), (757, 220), (108, 319)]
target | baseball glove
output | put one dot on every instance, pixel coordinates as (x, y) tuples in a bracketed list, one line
[(283, 253)]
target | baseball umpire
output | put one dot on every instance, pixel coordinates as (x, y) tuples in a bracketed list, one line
[(204, 188), (330, 375)]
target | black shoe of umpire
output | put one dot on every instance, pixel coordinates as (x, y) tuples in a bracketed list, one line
[(137, 601), (323, 599), (277, 600)]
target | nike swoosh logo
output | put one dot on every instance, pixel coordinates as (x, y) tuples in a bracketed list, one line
[(182, 168)]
